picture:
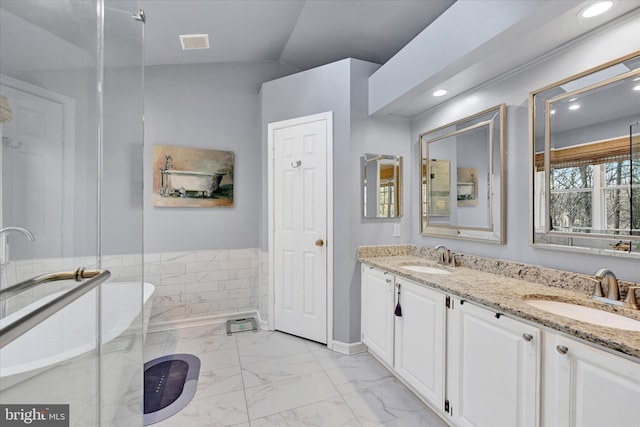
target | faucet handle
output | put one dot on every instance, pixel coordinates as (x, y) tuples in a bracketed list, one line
[(631, 301), (597, 286), (454, 259)]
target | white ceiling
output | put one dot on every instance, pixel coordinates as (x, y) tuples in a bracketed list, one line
[(302, 34)]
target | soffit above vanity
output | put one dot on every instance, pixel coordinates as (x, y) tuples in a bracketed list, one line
[(465, 48)]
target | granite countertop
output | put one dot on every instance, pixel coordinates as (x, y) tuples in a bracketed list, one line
[(507, 295)]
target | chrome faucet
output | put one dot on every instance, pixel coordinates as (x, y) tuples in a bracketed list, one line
[(445, 258), (4, 245), (613, 292)]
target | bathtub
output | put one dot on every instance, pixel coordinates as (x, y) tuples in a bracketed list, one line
[(45, 346), (179, 182)]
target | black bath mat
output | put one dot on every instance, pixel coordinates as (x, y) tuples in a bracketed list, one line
[(169, 385)]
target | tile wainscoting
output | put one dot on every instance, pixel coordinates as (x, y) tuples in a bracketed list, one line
[(189, 284)]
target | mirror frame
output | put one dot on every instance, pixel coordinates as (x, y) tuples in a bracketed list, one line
[(582, 238), (491, 234), (398, 184)]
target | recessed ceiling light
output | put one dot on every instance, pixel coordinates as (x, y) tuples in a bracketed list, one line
[(637, 87), (440, 92), (596, 9), (573, 99), (636, 79), (194, 41), (574, 106), (552, 111)]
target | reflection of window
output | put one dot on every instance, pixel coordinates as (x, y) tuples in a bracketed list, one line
[(571, 198), (386, 198), (592, 198), (620, 191)]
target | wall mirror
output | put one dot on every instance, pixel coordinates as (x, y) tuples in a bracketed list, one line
[(585, 145), (382, 186), (462, 185)]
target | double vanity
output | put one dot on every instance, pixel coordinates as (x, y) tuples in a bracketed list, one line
[(499, 343)]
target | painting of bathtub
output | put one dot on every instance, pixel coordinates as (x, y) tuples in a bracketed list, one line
[(192, 177)]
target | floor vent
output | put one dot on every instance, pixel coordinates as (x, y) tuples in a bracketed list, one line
[(242, 325)]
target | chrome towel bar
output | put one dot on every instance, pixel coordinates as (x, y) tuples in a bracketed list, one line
[(24, 324)]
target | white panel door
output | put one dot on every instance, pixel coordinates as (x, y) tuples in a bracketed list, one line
[(587, 387), (494, 369), (33, 172), (377, 291), (300, 229), (420, 340)]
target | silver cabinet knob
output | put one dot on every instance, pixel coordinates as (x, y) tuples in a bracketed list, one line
[(527, 337), (388, 281), (562, 349)]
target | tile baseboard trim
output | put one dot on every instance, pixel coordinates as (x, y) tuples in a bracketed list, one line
[(348, 348), (205, 320)]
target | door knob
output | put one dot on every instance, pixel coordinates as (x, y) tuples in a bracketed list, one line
[(319, 242)]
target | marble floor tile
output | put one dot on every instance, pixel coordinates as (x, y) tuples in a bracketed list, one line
[(279, 369), (214, 360), (194, 332), (333, 412), (288, 394), (383, 403), (161, 337), (219, 381), (273, 379), (202, 345), (424, 418), (262, 336), (263, 352), (151, 352), (216, 411), (353, 375)]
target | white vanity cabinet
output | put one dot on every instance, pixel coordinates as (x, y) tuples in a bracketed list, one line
[(420, 340), (377, 305), (492, 368), (584, 386)]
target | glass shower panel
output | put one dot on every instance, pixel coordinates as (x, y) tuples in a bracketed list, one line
[(121, 216), (48, 69), (71, 75)]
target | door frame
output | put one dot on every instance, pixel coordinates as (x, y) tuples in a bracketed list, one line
[(271, 128), (68, 154)]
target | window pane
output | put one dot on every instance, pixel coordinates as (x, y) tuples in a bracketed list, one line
[(574, 177), (570, 210), (618, 173), (618, 203)]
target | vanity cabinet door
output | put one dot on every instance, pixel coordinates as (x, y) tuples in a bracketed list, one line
[(420, 340), (493, 368), (377, 293), (584, 386)]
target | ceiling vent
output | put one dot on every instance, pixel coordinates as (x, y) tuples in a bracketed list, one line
[(194, 41)]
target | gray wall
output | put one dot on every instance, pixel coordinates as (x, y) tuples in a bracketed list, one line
[(608, 44), (210, 106), (340, 87)]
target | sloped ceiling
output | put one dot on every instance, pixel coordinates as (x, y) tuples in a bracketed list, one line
[(302, 34)]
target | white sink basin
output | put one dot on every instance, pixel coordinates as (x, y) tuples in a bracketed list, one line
[(586, 314), (425, 269)]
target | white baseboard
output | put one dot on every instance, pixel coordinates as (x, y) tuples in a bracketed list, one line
[(204, 321), (348, 348)]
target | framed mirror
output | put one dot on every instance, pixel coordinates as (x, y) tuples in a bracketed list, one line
[(462, 185), (585, 168), (381, 186)]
